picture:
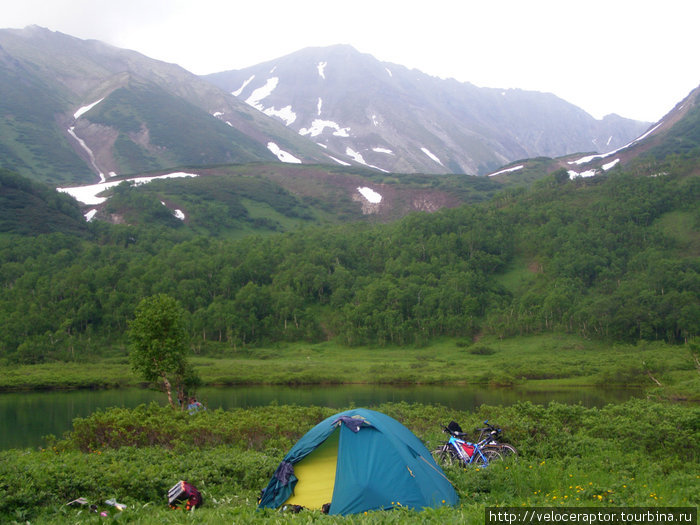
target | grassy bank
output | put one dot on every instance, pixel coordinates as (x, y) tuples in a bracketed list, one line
[(542, 360), (640, 453)]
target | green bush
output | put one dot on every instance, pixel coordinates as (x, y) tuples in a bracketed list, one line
[(638, 453)]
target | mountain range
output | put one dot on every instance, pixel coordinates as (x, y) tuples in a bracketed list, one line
[(74, 110), (395, 119)]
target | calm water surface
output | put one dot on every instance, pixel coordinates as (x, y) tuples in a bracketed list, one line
[(25, 417)]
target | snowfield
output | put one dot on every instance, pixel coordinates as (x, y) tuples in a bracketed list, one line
[(431, 155), (91, 155), (357, 157), (285, 114), (240, 89), (281, 154), (262, 92), (371, 195), (318, 126), (85, 109), (589, 158), (89, 194), (507, 170), (321, 66)]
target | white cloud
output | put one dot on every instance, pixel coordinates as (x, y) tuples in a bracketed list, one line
[(629, 57)]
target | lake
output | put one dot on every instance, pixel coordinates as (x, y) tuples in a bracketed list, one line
[(26, 417)]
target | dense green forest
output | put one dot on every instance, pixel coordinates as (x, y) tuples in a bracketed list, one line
[(612, 257)]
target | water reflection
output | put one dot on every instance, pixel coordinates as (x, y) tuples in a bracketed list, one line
[(28, 416)]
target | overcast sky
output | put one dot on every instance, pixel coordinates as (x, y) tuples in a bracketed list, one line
[(636, 58)]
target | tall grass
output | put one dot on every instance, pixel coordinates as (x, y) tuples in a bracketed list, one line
[(552, 359)]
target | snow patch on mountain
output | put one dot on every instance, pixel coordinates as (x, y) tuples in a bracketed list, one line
[(240, 89), (341, 162), (321, 66), (357, 157), (262, 92), (431, 155), (389, 71), (383, 150), (319, 105), (178, 213), (285, 114), (85, 109), (609, 165), (588, 173), (318, 126), (507, 170), (89, 194), (589, 158), (371, 195), (282, 155), (91, 155)]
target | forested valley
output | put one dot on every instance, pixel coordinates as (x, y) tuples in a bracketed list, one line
[(612, 257)]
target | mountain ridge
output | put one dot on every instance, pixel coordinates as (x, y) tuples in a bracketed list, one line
[(65, 74), (347, 102)]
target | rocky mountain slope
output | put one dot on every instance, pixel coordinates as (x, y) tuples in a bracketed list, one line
[(676, 135), (394, 119), (72, 110)]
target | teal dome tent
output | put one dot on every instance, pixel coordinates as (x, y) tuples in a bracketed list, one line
[(355, 461)]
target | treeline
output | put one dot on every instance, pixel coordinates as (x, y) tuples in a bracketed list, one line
[(602, 257)]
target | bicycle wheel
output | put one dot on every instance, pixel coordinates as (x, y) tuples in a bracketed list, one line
[(491, 454), (446, 456), (507, 450)]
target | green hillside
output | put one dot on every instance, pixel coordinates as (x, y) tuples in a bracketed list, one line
[(683, 139), (30, 208), (222, 206), (179, 132), (32, 142), (597, 257)]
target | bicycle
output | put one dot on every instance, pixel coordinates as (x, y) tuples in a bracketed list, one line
[(457, 450), (490, 435)]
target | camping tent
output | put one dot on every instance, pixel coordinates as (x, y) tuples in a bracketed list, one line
[(355, 461)]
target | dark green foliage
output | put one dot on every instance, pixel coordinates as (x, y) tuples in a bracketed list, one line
[(216, 205), (158, 346), (30, 208), (481, 350), (598, 258), (638, 453), (139, 208)]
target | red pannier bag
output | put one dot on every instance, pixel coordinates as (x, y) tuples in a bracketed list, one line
[(468, 449), (186, 493)]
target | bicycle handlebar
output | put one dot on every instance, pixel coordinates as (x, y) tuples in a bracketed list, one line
[(489, 428)]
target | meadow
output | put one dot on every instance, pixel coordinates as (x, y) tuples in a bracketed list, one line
[(638, 453), (542, 360), (643, 452)]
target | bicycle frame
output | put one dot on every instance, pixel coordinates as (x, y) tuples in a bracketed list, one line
[(457, 443)]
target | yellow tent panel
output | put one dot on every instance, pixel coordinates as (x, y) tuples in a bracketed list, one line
[(316, 475)]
